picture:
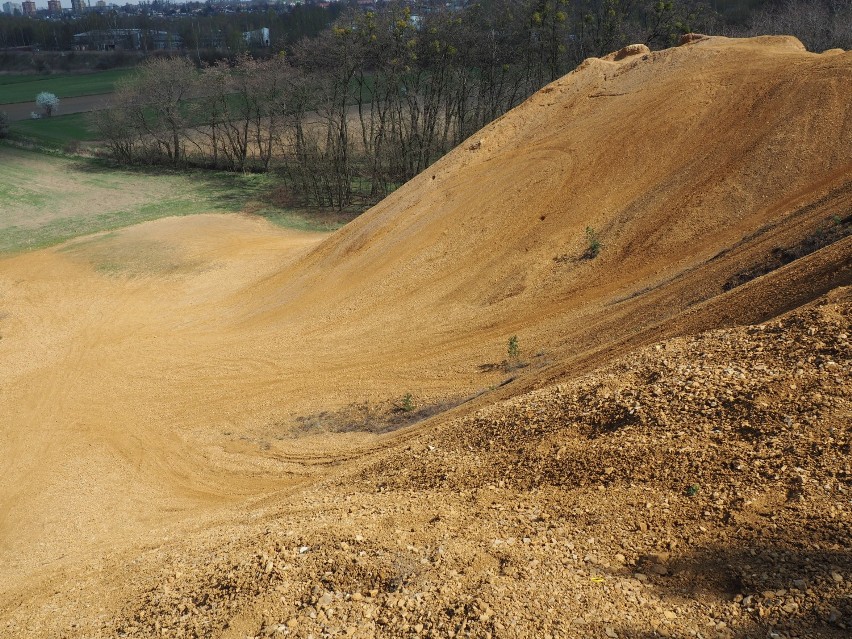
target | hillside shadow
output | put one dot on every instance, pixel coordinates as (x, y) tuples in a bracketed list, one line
[(769, 588), (367, 418), (830, 231)]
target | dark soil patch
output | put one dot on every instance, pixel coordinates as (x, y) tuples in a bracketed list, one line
[(835, 229), (370, 418)]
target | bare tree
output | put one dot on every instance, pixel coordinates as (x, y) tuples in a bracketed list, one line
[(819, 24), (154, 103), (333, 59), (115, 128)]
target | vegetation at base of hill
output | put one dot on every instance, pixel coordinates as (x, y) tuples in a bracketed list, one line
[(46, 199), (344, 118), (24, 88)]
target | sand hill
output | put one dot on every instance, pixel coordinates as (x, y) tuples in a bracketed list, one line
[(211, 427)]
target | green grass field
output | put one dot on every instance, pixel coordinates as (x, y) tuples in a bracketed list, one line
[(24, 88), (55, 132), (46, 199)]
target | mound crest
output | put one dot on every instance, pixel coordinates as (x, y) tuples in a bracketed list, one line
[(688, 165)]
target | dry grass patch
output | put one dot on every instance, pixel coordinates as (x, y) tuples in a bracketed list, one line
[(46, 199)]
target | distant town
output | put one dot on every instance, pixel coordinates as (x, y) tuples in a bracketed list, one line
[(164, 8), (160, 25)]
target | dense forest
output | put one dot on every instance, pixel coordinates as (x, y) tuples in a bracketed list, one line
[(200, 23), (346, 110)]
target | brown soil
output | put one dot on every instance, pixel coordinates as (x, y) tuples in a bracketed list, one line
[(82, 104), (213, 437)]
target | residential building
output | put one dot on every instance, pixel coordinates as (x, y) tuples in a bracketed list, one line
[(54, 6), (29, 7), (126, 39), (13, 8)]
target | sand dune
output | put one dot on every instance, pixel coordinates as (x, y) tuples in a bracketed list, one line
[(156, 382)]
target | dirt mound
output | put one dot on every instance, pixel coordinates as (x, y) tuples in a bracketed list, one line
[(626, 52), (704, 416), (431, 422), (697, 486), (688, 165)]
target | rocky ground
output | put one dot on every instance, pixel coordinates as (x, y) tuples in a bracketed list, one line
[(701, 487)]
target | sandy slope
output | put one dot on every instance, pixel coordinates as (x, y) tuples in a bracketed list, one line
[(92, 436), (152, 379)]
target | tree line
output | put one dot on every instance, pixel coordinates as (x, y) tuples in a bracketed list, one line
[(347, 116), (197, 32)]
